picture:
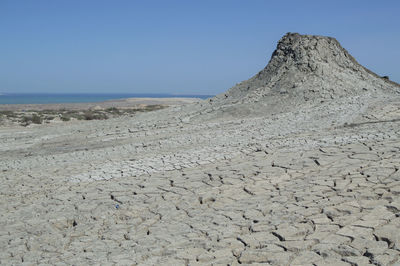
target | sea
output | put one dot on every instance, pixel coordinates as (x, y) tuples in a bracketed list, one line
[(39, 98)]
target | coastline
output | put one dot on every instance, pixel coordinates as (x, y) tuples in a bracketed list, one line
[(27, 114), (118, 103)]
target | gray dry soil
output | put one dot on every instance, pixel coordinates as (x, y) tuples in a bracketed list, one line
[(297, 166)]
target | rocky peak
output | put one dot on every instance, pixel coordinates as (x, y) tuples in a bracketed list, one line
[(305, 51)]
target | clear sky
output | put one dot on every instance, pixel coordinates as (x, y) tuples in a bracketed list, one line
[(190, 47)]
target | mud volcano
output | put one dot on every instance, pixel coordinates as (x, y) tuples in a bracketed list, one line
[(304, 69)]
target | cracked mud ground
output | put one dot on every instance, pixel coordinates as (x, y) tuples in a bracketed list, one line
[(253, 191)]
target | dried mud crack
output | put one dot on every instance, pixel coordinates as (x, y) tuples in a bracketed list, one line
[(235, 180)]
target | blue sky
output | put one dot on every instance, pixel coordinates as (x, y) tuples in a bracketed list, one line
[(190, 47)]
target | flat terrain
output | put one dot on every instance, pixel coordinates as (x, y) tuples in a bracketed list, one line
[(119, 103), (27, 114), (316, 186)]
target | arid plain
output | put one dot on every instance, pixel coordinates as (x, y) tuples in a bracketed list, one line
[(298, 165)]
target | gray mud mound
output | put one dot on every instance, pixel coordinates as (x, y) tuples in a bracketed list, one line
[(303, 70), (307, 67)]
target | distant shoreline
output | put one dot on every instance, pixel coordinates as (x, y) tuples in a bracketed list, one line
[(117, 103), (56, 98)]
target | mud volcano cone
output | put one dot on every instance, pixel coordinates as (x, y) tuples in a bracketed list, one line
[(308, 68)]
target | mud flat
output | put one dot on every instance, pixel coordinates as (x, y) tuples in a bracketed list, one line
[(227, 181)]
